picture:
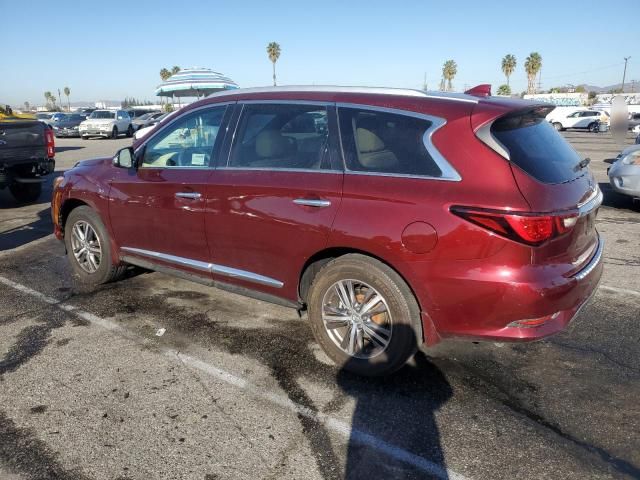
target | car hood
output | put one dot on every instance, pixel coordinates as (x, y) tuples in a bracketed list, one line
[(99, 121), (92, 161)]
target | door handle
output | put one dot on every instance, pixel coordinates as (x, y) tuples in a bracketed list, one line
[(312, 202), (189, 195)]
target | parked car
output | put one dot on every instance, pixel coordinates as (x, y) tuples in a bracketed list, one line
[(27, 151), (69, 126), (583, 119), (384, 230), (44, 116), (151, 124), (106, 123), (634, 122), (624, 173), (145, 120), (86, 111)]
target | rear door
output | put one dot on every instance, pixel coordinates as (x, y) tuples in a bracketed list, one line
[(157, 210), (553, 178), (271, 205)]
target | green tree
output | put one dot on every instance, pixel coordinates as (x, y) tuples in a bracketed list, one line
[(449, 71), (508, 65), (67, 92), (49, 99), (165, 74), (27, 106), (532, 66), (580, 89), (273, 50), (504, 90), (175, 70)]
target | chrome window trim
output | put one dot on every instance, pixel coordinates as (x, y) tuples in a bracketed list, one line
[(208, 267), (320, 103), (486, 137), (449, 173), (181, 115), (274, 170)]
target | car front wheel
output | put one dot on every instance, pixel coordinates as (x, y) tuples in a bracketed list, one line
[(114, 133), (364, 315), (130, 131), (558, 126), (89, 248)]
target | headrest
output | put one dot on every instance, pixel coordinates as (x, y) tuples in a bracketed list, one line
[(271, 144), (368, 141)]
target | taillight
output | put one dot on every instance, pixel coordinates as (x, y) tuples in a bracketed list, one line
[(529, 228), (50, 142)]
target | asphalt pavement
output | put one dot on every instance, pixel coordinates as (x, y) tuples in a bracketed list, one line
[(154, 377)]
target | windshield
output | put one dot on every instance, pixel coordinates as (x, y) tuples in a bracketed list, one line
[(102, 114), (536, 147), (43, 116)]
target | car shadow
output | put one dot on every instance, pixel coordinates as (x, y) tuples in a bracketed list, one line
[(23, 234), (613, 199), (401, 409), (67, 149)]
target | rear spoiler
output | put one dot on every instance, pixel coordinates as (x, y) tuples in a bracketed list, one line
[(482, 90)]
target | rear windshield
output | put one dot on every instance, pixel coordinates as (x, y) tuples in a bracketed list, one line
[(536, 147), (102, 114)]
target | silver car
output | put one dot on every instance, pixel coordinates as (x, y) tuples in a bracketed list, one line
[(624, 174)]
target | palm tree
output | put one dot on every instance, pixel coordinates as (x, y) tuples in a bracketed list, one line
[(165, 74), (49, 98), (508, 65), (273, 50), (504, 90), (532, 66), (449, 70), (175, 70), (67, 92)]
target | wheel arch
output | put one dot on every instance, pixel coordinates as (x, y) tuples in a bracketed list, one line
[(67, 207)]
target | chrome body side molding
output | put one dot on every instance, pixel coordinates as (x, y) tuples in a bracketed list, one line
[(207, 267)]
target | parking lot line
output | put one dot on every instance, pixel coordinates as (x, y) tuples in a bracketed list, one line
[(337, 426)]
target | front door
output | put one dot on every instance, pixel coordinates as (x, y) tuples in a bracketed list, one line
[(272, 205), (157, 210)]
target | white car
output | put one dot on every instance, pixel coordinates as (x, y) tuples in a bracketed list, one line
[(106, 123), (586, 119), (624, 173)]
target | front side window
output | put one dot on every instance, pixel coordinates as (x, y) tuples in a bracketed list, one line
[(381, 142), (272, 136), (102, 114), (186, 143)]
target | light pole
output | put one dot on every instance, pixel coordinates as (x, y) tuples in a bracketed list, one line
[(626, 59)]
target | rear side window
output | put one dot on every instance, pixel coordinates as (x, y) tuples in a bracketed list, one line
[(287, 136), (381, 142), (536, 147)]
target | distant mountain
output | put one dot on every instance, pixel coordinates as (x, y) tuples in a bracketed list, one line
[(629, 87)]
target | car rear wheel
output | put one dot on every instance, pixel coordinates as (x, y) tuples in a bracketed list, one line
[(558, 126), (114, 133), (593, 127), (130, 131), (89, 248), (26, 192), (364, 315)]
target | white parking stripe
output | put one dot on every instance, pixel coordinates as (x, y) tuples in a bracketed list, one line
[(337, 426), (624, 291)]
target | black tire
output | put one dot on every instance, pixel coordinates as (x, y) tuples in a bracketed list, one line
[(403, 310), (558, 126), (130, 131), (83, 137), (106, 271), (26, 192), (114, 133), (593, 127)]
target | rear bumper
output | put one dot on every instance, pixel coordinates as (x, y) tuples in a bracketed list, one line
[(512, 309)]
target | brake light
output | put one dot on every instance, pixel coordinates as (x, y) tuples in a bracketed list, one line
[(50, 142), (529, 228)]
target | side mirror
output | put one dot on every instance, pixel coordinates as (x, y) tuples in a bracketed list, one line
[(124, 158)]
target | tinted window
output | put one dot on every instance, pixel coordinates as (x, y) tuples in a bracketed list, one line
[(102, 114), (186, 143), (382, 142), (536, 147), (281, 136)]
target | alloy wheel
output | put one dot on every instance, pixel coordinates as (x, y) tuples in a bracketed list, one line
[(86, 246), (357, 319)]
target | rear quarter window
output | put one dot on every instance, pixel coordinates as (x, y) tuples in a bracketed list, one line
[(536, 147)]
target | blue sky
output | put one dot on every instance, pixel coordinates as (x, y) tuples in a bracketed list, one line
[(109, 50)]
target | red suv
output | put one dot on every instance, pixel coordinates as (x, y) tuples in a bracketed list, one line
[(394, 217)]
